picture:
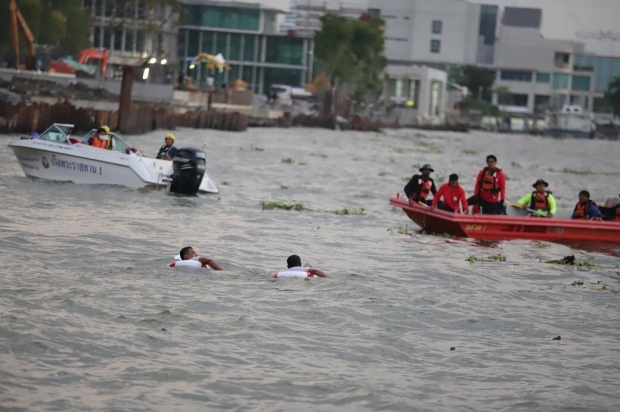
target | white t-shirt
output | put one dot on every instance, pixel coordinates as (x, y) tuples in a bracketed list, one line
[(296, 269)]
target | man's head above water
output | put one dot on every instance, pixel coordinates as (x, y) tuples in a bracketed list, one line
[(187, 253)]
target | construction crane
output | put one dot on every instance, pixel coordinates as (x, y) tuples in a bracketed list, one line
[(18, 18)]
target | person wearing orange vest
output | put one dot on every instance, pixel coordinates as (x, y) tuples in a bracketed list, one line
[(586, 208), (490, 189), (541, 200), (101, 138), (418, 188)]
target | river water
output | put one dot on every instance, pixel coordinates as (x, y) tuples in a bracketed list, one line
[(92, 317)]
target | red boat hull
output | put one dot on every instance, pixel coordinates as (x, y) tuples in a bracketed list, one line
[(494, 227)]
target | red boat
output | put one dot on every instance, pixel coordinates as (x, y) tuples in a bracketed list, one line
[(494, 227)]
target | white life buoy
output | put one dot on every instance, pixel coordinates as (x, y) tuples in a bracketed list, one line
[(189, 263), (293, 274)]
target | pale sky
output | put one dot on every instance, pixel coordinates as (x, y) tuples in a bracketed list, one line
[(562, 19)]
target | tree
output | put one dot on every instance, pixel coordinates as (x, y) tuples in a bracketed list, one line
[(350, 54), (479, 81), (612, 95)]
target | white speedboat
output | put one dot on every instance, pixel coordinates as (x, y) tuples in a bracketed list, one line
[(56, 155)]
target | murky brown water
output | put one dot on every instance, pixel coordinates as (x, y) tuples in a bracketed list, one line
[(92, 317)]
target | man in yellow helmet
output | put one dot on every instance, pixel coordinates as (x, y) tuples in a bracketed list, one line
[(167, 151), (102, 139)]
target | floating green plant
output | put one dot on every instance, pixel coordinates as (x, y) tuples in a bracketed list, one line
[(469, 152), (324, 156), (288, 160), (283, 206), (350, 212)]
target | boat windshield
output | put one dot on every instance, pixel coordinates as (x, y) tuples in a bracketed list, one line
[(57, 133), (119, 143)]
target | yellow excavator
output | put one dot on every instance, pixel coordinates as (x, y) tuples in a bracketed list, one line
[(213, 61), (18, 21)]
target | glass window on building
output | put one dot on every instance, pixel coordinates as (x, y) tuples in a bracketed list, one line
[(129, 38), (435, 46), (605, 69), (238, 18), (234, 73), (249, 47), (488, 25), (560, 80), (208, 42), (543, 77), (437, 26), (246, 75), (581, 83), (118, 39), (97, 41), (289, 77), (141, 41), (109, 9), (192, 43), (516, 76), (107, 38), (284, 50), (221, 41), (398, 88), (235, 47)]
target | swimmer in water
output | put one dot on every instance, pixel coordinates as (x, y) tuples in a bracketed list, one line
[(188, 253), (293, 263)]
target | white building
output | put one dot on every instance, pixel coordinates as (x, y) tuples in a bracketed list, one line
[(532, 73), (304, 16)]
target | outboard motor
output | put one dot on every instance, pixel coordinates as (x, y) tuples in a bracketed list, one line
[(188, 167)]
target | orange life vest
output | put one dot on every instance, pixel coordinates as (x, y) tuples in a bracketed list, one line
[(425, 188), (618, 213), (582, 210), (540, 201), (489, 182), (97, 142)]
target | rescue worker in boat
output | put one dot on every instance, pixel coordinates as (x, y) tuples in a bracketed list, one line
[(490, 190), (541, 200), (453, 195), (101, 139), (586, 208), (188, 253), (611, 210), (420, 186), (167, 151), (294, 263)]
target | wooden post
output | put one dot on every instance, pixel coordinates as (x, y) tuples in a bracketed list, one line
[(124, 106)]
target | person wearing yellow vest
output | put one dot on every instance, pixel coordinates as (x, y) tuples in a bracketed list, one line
[(540, 200), (167, 151)]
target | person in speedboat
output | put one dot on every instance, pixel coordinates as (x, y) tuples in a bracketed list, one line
[(541, 200), (293, 263), (188, 253), (586, 208), (102, 139), (167, 151)]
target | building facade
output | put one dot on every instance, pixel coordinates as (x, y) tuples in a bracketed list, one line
[(532, 73), (246, 34), (304, 16), (133, 30)]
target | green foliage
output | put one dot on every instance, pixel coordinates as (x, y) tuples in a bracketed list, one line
[(403, 230), (479, 81), (350, 212), (494, 258), (487, 109), (288, 160), (351, 52), (283, 206)]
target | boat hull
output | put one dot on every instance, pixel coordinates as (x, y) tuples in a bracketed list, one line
[(83, 164), (493, 227)]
